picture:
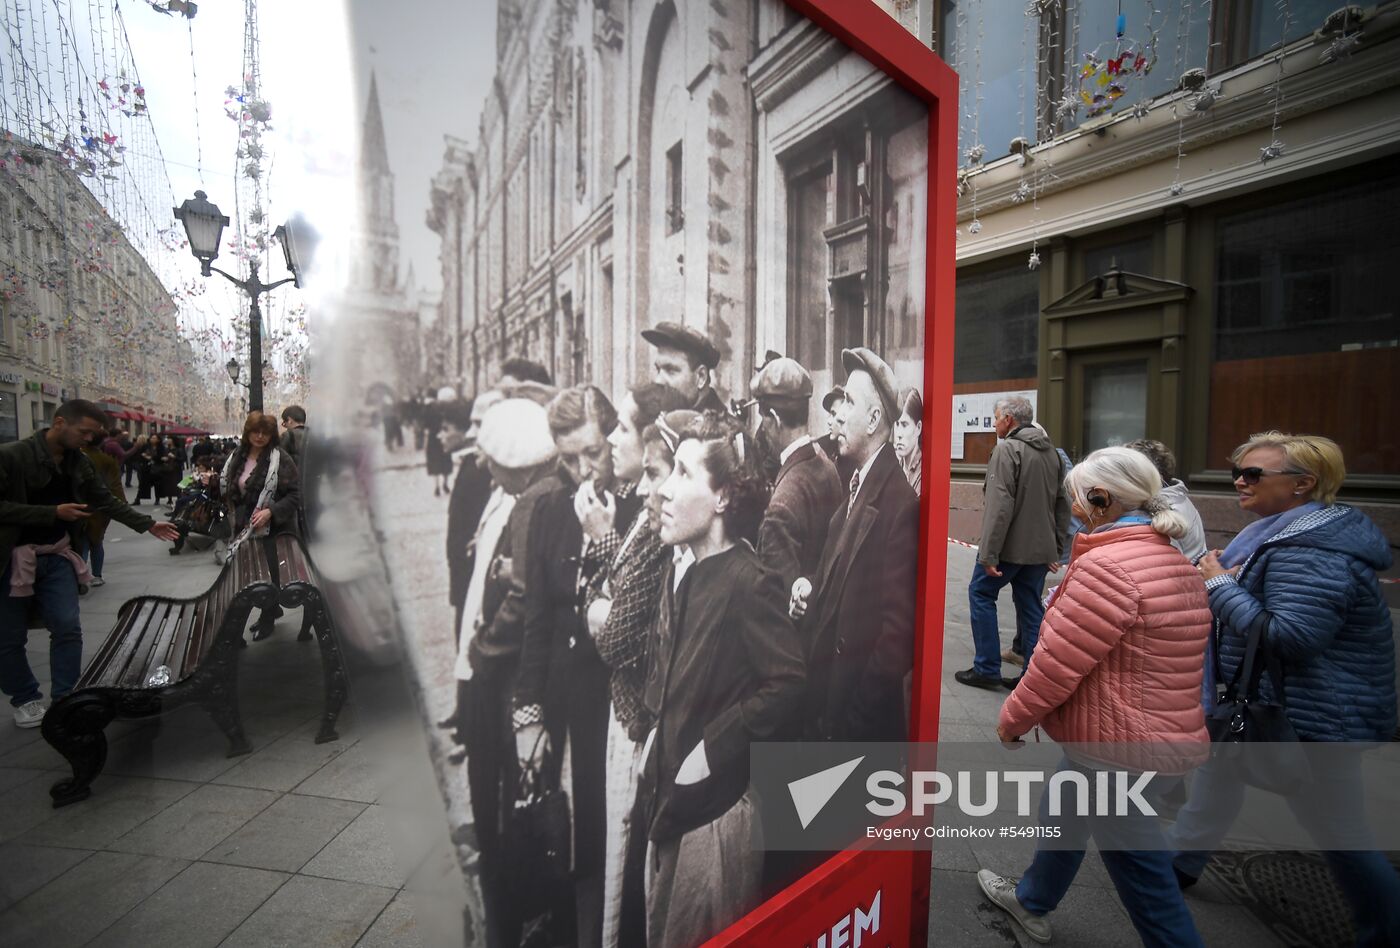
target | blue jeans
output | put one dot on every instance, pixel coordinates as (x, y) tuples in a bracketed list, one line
[(56, 592), (1142, 874), (95, 554), (1332, 807), (1026, 583)]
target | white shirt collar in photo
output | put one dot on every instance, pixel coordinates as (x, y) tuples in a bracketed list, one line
[(792, 448), (488, 534), (683, 559)]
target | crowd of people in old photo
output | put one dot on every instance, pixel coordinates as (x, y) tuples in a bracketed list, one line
[(643, 588)]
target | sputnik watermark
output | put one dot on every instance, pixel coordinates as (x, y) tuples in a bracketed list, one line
[(1114, 793)]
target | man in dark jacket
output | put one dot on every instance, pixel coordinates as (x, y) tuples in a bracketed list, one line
[(47, 489), (860, 631), (564, 685), (685, 360), (1025, 522), (806, 491)]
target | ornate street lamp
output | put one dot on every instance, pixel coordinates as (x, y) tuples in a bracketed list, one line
[(204, 226), (233, 367)]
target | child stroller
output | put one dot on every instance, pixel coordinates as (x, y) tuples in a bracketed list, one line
[(201, 518)]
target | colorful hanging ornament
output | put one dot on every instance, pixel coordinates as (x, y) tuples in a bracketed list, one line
[(1108, 71)]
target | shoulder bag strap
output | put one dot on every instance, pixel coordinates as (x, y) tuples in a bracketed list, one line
[(1247, 669)]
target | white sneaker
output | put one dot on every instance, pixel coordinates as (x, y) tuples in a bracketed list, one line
[(1002, 893), (30, 714), (98, 581)]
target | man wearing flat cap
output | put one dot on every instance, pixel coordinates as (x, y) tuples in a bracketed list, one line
[(685, 360), (518, 450), (845, 467), (806, 490), (858, 608)]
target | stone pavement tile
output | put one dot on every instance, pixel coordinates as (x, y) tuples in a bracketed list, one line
[(1088, 917), (312, 913), (284, 763), (35, 754), (182, 753), (1228, 923), (117, 805), (368, 850), (955, 854), (396, 927), (25, 806), (958, 915), (25, 869), (14, 738), (287, 834), (192, 826), (11, 777), (357, 774), (199, 907), (83, 901)]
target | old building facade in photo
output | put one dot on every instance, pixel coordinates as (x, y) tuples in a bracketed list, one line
[(724, 165), (82, 314), (1203, 259)]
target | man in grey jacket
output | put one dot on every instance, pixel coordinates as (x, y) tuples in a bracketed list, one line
[(1025, 519)]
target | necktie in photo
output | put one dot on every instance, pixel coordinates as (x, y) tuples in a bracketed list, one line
[(855, 486)]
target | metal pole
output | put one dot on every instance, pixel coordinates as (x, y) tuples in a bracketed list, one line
[(255, 375)]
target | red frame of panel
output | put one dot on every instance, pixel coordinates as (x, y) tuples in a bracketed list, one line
[(807, 909)]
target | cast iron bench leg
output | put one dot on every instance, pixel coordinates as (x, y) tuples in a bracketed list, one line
[(73, 727), (332, 665), (220, 700), (307, 619)]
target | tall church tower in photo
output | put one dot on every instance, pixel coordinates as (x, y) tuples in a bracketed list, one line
[(377, 334)]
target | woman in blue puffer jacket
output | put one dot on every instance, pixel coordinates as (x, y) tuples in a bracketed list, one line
[(1310, 565)]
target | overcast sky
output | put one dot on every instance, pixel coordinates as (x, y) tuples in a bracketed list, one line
[(435, 69)]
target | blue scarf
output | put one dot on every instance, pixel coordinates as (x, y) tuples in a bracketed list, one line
[(1247, 542)]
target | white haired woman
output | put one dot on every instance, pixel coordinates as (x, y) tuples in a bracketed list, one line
[(1117, 666)]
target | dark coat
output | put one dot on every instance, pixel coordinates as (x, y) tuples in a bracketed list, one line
[(709, 400), (502, 629), (860, 636), (1025, 514), (729, 673), (806, 493), (552, 620), (286, 497), (27, 466), (845, 467), (1330, 625), (470, 491)]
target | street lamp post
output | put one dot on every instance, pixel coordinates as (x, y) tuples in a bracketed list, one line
[(204, 225)]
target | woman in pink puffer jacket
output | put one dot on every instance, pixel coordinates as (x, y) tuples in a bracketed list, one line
[(1117, 668)]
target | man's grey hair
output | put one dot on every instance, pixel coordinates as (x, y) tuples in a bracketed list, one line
[(1018, 407)]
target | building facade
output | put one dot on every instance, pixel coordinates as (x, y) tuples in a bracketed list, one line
[(1199, 259), (82, 314)]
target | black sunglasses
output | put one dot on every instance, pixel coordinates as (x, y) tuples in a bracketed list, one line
[(1251, 475)]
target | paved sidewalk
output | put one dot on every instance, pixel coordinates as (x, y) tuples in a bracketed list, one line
[(336, 844)]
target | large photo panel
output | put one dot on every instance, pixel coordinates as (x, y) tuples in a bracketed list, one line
[(651, 440)]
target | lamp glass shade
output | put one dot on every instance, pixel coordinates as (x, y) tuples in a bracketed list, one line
[(204, 225), (233, 369), (298, 240)]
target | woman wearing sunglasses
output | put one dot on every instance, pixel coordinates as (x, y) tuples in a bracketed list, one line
[(1309, 565)]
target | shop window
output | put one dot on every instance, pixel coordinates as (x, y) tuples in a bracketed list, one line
[(998, 325), (1247, 29), (1307, 335), (995, 57)]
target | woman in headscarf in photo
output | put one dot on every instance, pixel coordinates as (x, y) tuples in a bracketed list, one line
[(727, 670)]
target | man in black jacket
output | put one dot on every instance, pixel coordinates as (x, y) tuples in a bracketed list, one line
[(806, 491), (860, 631), (48, 488), (563, 686)]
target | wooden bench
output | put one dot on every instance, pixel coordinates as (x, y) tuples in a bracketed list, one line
[(301, 588), (196, 642)]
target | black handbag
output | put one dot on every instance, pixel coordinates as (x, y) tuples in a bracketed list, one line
[(1252, 735), (536, 841)]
